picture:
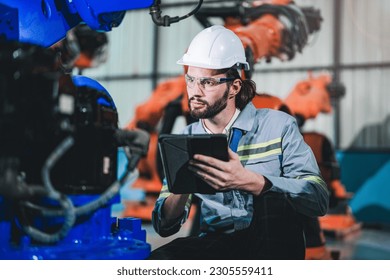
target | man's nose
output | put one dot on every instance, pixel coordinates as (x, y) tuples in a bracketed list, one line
[(196, 90)]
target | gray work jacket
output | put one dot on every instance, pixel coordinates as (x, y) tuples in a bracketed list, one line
[(272, 146)]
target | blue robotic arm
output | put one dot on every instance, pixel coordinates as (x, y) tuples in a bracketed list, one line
[(59, 138), (45, 22), (42, 215)]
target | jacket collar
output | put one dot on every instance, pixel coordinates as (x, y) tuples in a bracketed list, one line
[(246, 119)]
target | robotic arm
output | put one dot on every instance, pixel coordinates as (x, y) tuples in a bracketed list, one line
[(46, 22), (59, 138), (312, 96)]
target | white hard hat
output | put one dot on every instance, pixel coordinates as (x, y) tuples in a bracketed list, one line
[(215, 47)]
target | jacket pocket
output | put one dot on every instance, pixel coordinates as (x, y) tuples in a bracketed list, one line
[(268, 165)]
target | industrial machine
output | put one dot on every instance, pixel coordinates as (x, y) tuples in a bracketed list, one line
[(59, 135), (58, 175)]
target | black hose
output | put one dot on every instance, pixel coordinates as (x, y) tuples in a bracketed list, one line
[(66, 204), (155, 12)]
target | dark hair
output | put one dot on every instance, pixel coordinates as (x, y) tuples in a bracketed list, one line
[(248, 87)]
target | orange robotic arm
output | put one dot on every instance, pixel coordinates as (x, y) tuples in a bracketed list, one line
[(313, 96), (263, 36), (310, 97), (147, 116), (307, 99), (150, 112)]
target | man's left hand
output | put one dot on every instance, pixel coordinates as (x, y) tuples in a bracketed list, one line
[(226, 175)]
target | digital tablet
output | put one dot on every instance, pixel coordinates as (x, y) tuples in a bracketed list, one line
[(177, 150)]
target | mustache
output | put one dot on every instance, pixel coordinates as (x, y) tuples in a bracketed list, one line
[(197, 100)]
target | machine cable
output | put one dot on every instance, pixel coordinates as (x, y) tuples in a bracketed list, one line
[(135, 146), (155, 12), (66, 204)]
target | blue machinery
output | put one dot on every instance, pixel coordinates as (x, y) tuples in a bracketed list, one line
[(45, 22), (58, 164), (59, 138)]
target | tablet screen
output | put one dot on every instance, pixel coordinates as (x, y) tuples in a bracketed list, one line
[(177, 150)]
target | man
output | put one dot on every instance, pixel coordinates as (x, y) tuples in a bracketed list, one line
[(270, 180)]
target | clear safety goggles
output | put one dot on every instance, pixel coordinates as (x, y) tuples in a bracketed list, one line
[(206, 83)]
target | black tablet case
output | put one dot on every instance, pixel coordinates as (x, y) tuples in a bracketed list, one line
[(177, 150)]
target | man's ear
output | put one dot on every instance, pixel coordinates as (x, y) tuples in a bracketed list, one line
[(235, 88)]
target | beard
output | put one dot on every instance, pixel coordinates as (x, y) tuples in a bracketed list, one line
[(210, 110)]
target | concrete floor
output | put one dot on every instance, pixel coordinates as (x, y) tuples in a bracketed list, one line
[(366, 244)]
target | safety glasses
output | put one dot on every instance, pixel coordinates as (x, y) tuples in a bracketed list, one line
[(206, 83)]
